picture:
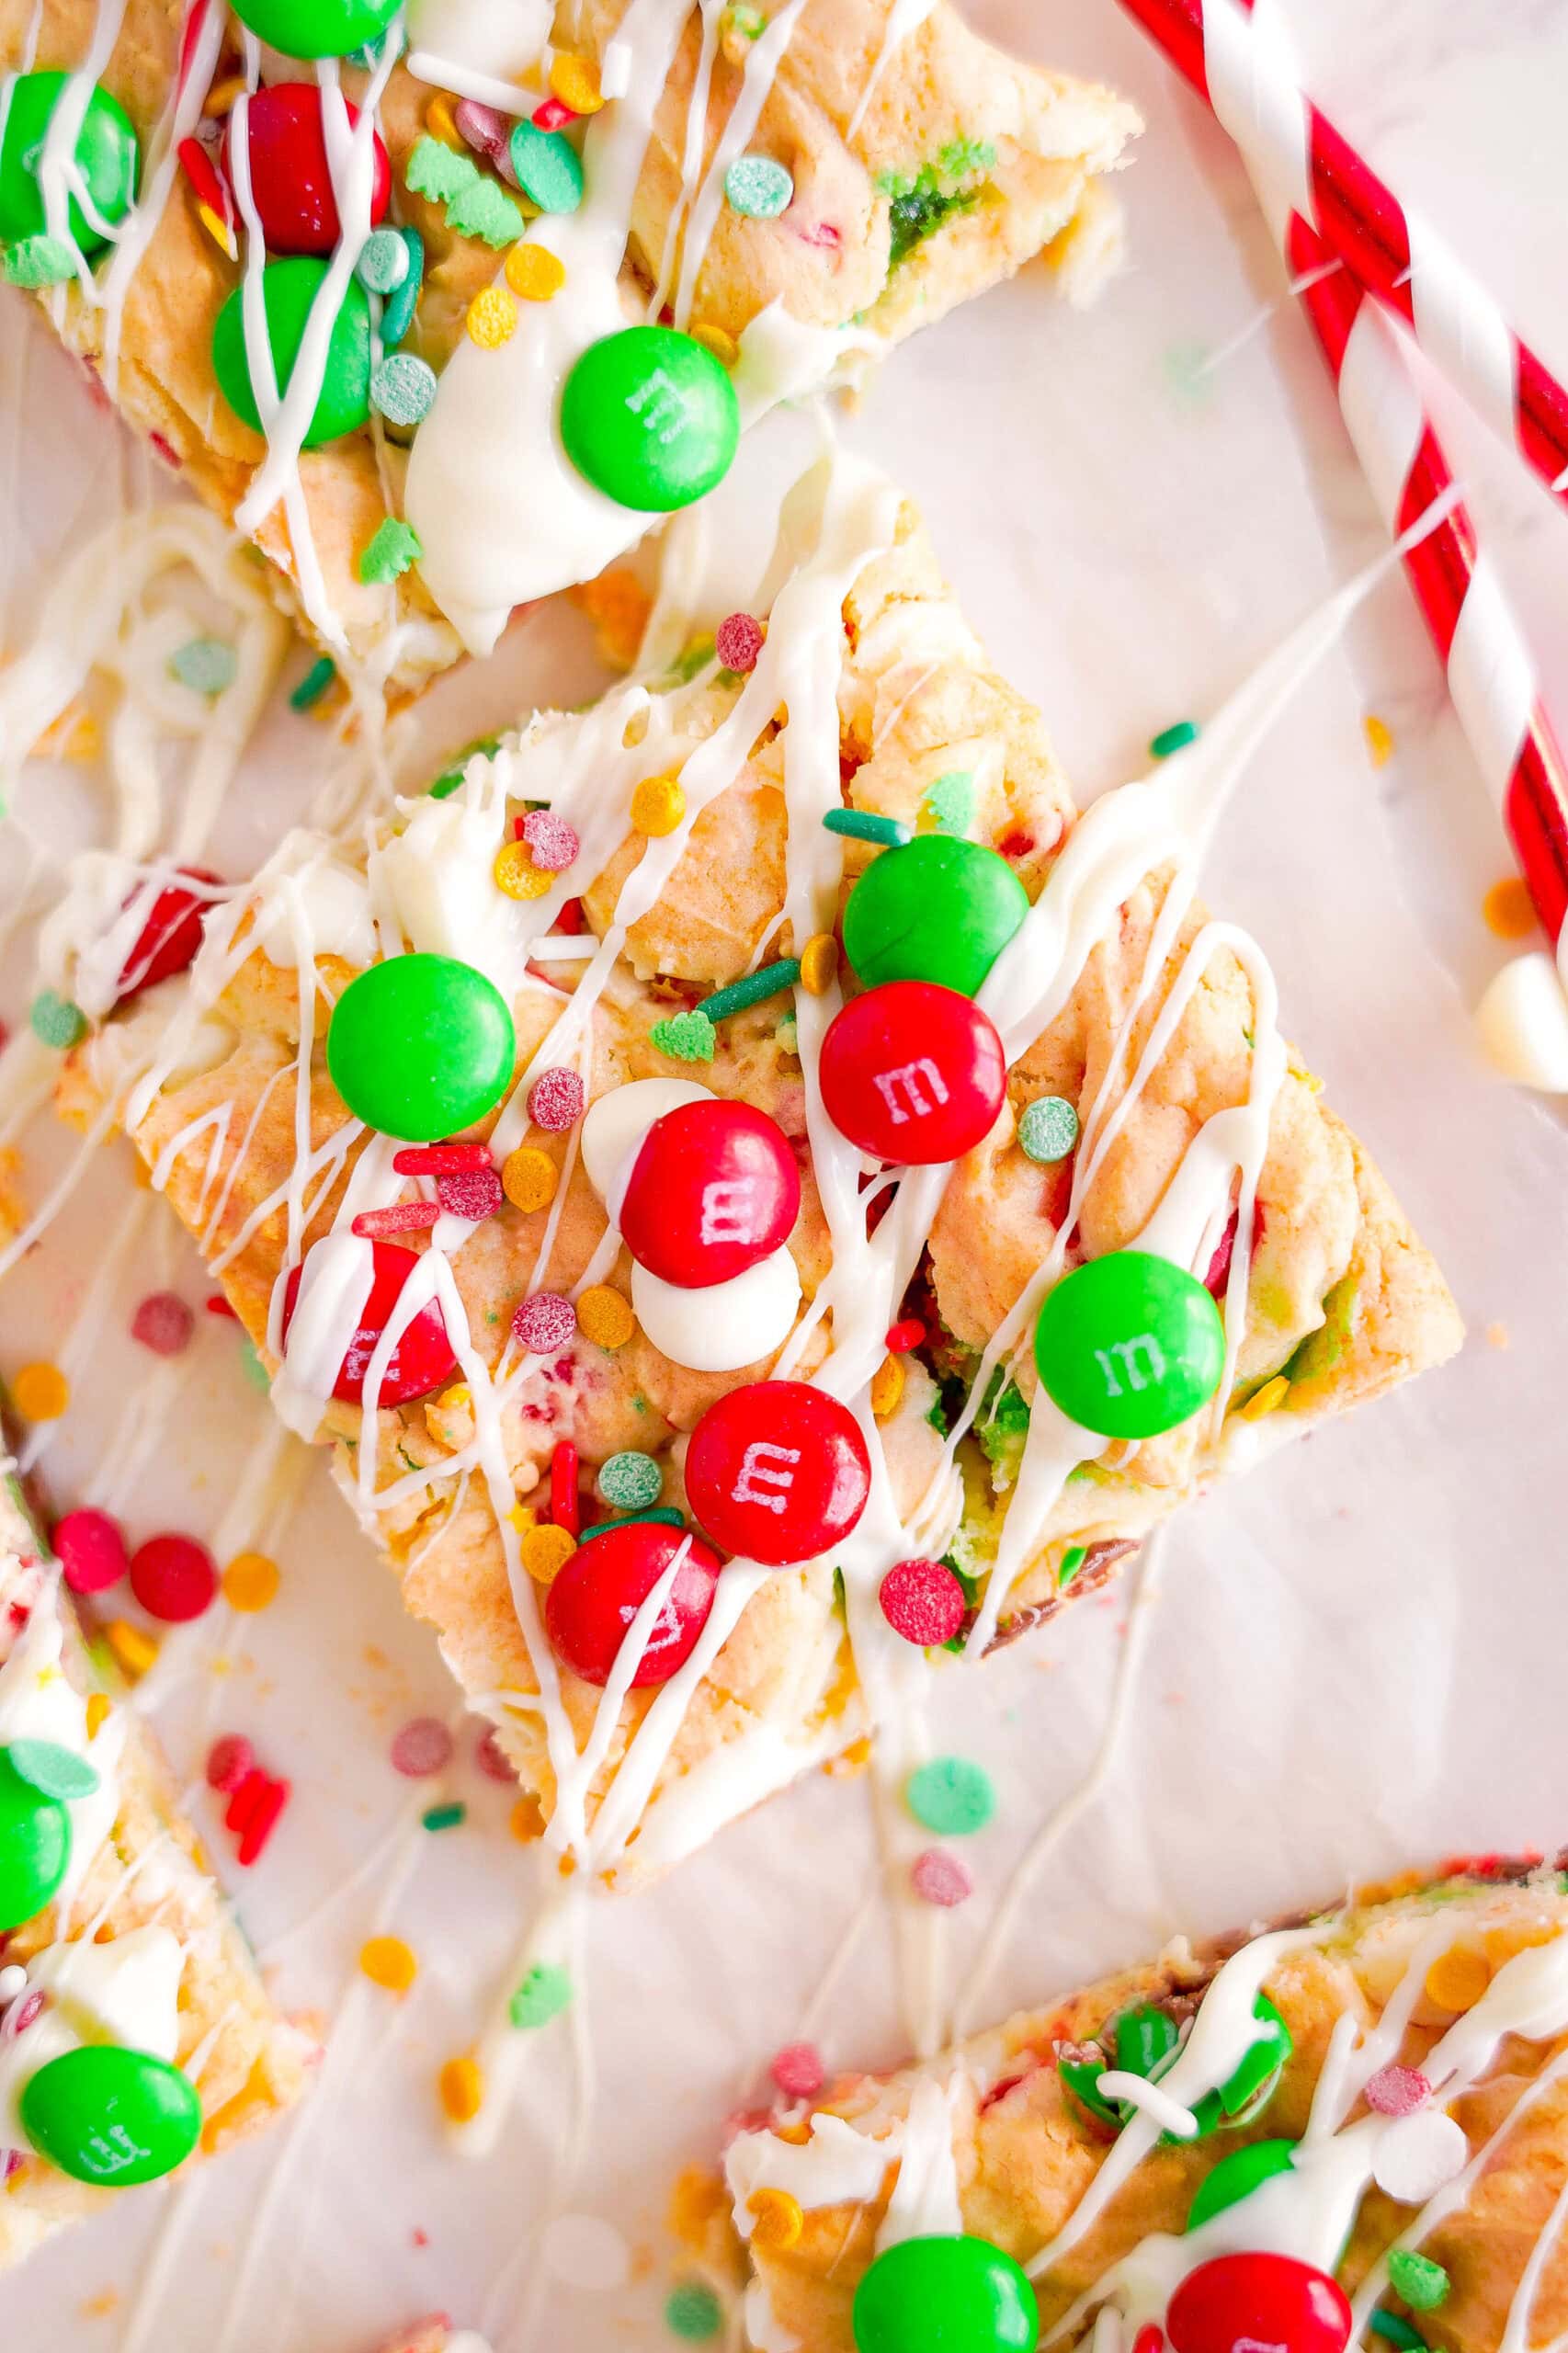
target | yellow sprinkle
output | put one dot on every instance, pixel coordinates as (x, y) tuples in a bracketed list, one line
[(1379, 738), (717, 340), (658, 805), (514, 873), (575, 82), (40, 1393), (462, 2089), (522, 1517), (1457, 1978), (492, 318), (819, 964), (135, 1650), (527, 1820), (534, 272), (546, 1551), (250, 1581), (222, 96), (855, 1759), (387, 1961), (618, 605), (887, 1388), (1506, 910), (776, 2219), (797, 2136), (73, 734), (218, 230), (1502, 1944), (458, 1399), (1273, 1393), (442, 124), (697, 2199), (605, 1317), (98, 1712), (529, 1177)]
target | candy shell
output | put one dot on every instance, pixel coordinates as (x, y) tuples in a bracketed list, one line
[(960, 2295), (1239, 2301), (912, 1073), (170, 936), (1129, 1345), (317, 28), (650, 418), (289, 291), (725, 1325), (110, 2116), (105, 155), (422, 1358), (714, 1189), (938, 909), (778, 1471), (34, 1846), (420, 1046), (290, 178), (590, 1604)]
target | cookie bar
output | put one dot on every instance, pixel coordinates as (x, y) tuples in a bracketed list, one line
[(1352, 2128), (471, 231), (754, 1322), (134, 2028)]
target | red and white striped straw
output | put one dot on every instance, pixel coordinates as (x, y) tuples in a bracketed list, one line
[(1235, 57)]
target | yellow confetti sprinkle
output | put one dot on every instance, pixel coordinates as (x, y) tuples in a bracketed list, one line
[(717, 340), (222, 96), (776, 2219), (546, 1551), (696, 2201), (251, 1581), (492, 318), (575, 82), (1506, 910), (819, 964), (462, 2089), (525, 1820), (658, 805), (442, 123), (134, 1650), (887, 1388), (605, 1317), (98, 1711), (218, 231), (387, 1961), (529, 1178), (1273, 1393), (534, 272), (1379, 738), (1457, 1978), (40, 1393), (514, 873)]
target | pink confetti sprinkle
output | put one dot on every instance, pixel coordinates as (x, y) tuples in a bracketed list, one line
[(556, 1100), (403, 1217), (472, 1193), (91, 1551), (421, 1749), (1397, 2091), (922, 1601), (163, 1323), (229, 1761), (22, 2013), (543, 1322), (552, 842), (491, 1757), (738, 641), (940, 1878), (798, 2069)]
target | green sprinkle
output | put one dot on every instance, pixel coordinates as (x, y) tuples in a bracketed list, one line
[(771, 981), (685, 1038), (750, 23), (757, 187), (397, 317), (438, 171), (662, 1516), (548, 168), (1173, 738), (402, 388), (452, 774), (1398, 2331), (487, 213), (921, 203), (314, 683), (58, 1772), (542, 1995), (444, 1817), (56, 1020), (951, 1796), (631, 1481), (698, 655), (255, 1371), (861, 826), (206, 665), (949, 802), (1048, 1129), (39, 261), (694, 2311), (1073, 1561), (383, 261), (789, 1033), (396, 546), (1423, 2283)]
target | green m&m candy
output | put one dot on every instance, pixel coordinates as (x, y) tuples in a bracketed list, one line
[(289, 289), (316, 27), (940, 909), (105, 154), (651, 419), (946, 2295), (1237, 2177), (1129, 1345), (35, 1845), (111, 2116), (420, 1047)]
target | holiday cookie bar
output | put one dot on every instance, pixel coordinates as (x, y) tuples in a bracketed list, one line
[(765, 1202), (443, 331), (134, 2028), (1351, 2129)]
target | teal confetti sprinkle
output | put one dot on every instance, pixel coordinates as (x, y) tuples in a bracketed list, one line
[(1423, 2283), (251, 1365), (1175, 738), (314, 683), (861, 826), (757, 187), (402, 388), (771, 981), (1398, 2331), (206, 665), (384, 262), (542, 1995), (949, 801), (39, 261), (1073, 1561), (631, 1481), (398, 315), (396, 546), (55, 1022), (951, 1796), (444, 1817), (693, 2312), (661, 1516), (1048, 1129), (686, 1037), (57, 1771), (548, 168)]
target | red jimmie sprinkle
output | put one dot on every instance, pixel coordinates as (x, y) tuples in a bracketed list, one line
[(216, 1304), (230, 1761), (440, 1159), (797, 2071), (570, 920), (903, 1336), (922, 1601), (403, 1217), (202, 174), (553, 114), (472, 1193), (1150, 2338), (244, 1799), (263, 1822), (565, 1503)]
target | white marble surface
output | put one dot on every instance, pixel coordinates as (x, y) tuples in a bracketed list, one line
[(1357, 1659)]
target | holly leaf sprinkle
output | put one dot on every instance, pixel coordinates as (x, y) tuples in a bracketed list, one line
[(396, 546), (686, 1037)]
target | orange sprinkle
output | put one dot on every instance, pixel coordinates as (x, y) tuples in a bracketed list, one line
[(98, 1712), (492, 318), (797, 2136), (387, 1961), (618, 605), (1379, 738), (696, 2201), (73, 734), (251, 1581), (534, 272), (718, 340), (819, 964), (605, 1317), (527, 1821), (575, 82), (854, 1759), (1506, 910), (1502, 1944), (135, 1650), (222, 96), (776, 2219), (1457, 1978), (442, 123), (887, 1388), (462, 2089), (529, 1178), (1273, 1394), (40, 1393), (546, 1552), (658, 805), (514, 873)]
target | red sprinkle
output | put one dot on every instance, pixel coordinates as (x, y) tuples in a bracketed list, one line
[(201, 172), (491, 1757), (738, 641), (1397, 2091), (245, 1799), (552, 114), (11, 2161), (263, 1822), (230, 1761), (440, 1159), (166, 450), (940, 1878), (570, 920), (28, 2008), (557, 1101), (91, 1551), (905, 1336), (218, 1305), (552, 841), (922, 1601), (472, 1193), (163, 1322), (797, 2071), (565, 1503), (421, 1749), (543, 1322), (403, 1217), (174, 1578)]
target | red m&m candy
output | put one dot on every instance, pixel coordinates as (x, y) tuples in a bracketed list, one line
[(290, 178), (913, 1072), (778, 1472), (1255, 2304), (594, 1600), (713, 1190), (169, 938), (422, 1358)]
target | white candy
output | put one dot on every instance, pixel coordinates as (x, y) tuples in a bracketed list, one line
[(614, 1127), (1522, 1023), (13, 1980), (1419, 2155), (723, 1325), (335, 910)]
